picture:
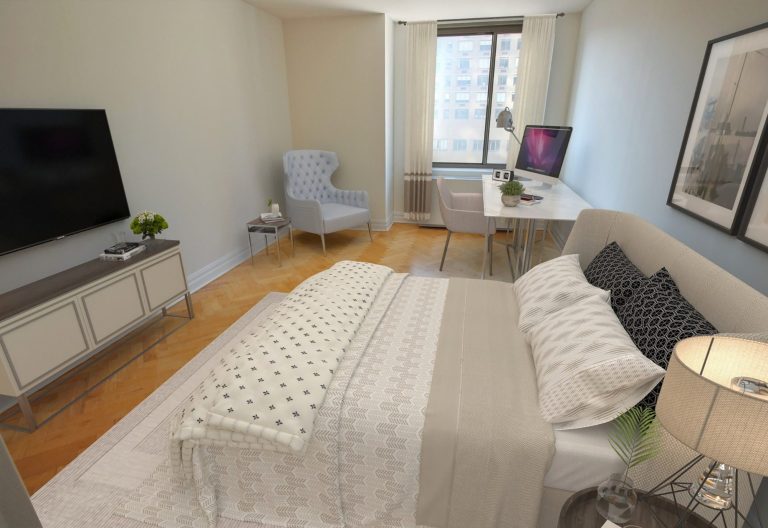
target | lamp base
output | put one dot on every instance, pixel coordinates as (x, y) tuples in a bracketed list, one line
[(716, 489)]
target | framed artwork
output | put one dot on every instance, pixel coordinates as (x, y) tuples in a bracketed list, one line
[(724, 141), (754, 227)]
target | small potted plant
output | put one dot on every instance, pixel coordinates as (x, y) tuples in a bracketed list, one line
[(148, 224), (635, 438), (511, 192)]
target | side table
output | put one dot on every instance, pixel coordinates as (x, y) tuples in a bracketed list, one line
[(269, 228), (652, 511)]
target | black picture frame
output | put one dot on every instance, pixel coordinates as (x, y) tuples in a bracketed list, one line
[(757, 184), (740, 208)]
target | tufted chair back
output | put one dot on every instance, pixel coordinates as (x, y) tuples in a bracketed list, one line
[(308, 174)]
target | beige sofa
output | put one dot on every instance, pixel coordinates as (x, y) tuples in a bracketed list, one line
[(727, 302)]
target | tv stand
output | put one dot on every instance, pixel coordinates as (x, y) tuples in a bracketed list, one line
[(52, 326)]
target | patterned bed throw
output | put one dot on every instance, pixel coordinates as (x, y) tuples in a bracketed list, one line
[(266, 392)]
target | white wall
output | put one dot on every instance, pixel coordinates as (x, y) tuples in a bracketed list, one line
[(336, 83), (195, 93), (556, 111), (637, 67)]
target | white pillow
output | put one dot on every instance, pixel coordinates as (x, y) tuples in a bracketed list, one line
[(587, 368), (552, 286)]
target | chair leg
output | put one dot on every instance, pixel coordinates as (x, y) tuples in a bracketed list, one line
[(490, 255), (322, 238), (370, 235), (445, 250)]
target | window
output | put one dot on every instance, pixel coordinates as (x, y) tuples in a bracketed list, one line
[(486, 66), (459, 145), (440, 144)]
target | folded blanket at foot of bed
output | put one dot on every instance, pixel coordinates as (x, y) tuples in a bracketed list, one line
[(266, 391)]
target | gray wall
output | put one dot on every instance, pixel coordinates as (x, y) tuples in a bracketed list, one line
[(195, 93), (635, 77)]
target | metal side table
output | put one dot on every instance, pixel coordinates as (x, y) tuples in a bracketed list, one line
[(269, 228)]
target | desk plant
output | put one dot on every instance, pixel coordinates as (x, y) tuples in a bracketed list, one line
[(148, 224), (511, 192), (635, 439)]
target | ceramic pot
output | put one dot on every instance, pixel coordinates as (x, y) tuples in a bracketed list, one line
[(510, 200)]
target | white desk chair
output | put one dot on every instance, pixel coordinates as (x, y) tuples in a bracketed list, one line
[(463, 213)]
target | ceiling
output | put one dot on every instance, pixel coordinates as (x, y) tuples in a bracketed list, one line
[(413, 10)]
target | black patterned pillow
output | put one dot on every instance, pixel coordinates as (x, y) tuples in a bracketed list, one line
[(612, 270), (656, 317)]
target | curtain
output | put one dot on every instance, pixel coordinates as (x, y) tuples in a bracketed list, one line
[(532, 77), (421, 53)]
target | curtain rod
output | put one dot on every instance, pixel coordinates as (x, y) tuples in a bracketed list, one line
[(479, 20)]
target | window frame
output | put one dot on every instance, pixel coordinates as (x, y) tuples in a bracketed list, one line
[(494, 30)]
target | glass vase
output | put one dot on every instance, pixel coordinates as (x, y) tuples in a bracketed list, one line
[(616, 498)]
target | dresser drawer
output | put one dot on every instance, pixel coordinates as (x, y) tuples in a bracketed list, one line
[(163, 281), (38, 345), (114, 307)]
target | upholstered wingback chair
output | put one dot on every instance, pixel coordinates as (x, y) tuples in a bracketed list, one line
[(463, 213), (313, 203)]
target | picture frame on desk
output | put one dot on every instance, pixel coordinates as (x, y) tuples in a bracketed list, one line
[(725, 136)]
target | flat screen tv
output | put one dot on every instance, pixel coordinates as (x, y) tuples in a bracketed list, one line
[(542, 150), (58, 175)]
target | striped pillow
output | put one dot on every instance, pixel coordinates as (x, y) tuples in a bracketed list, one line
[(588, 369), (552, 286)]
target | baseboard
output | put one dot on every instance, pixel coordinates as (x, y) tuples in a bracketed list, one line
[(381, 225), (216, 269)]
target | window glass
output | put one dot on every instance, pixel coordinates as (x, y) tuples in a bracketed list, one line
[(462, 91), (504, 86)]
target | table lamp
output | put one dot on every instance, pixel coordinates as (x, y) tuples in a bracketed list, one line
[(714, 399)]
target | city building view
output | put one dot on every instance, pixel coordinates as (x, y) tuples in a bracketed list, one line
[(464, 85)]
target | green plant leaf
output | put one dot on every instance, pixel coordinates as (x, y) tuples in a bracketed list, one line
[(635, 437)]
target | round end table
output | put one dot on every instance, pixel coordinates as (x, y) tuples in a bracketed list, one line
[(652, 511)]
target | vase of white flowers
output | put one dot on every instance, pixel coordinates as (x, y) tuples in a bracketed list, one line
[(148, 224)]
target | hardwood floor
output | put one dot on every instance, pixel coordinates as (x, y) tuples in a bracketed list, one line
[(405, 248)]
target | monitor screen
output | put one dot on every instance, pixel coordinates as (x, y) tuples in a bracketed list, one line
[(58, 175), (542, 149)]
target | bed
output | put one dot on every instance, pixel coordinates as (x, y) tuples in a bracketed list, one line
[(430, 416)]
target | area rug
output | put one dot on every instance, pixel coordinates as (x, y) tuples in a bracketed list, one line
[(90, 491)]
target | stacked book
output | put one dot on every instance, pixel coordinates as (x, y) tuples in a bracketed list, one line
[(122, 251), (271, 218)]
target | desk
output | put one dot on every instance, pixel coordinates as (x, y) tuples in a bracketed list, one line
[(560, 203)]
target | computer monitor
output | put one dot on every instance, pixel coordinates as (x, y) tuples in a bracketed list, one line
[(542, 152)]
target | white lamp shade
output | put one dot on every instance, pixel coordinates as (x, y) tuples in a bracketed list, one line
[(701, 407)]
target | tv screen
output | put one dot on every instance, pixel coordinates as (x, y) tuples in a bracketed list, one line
[(58, 175), (542, 149)]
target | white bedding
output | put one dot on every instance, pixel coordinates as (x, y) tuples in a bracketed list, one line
[(361, 467), (583, 458)]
